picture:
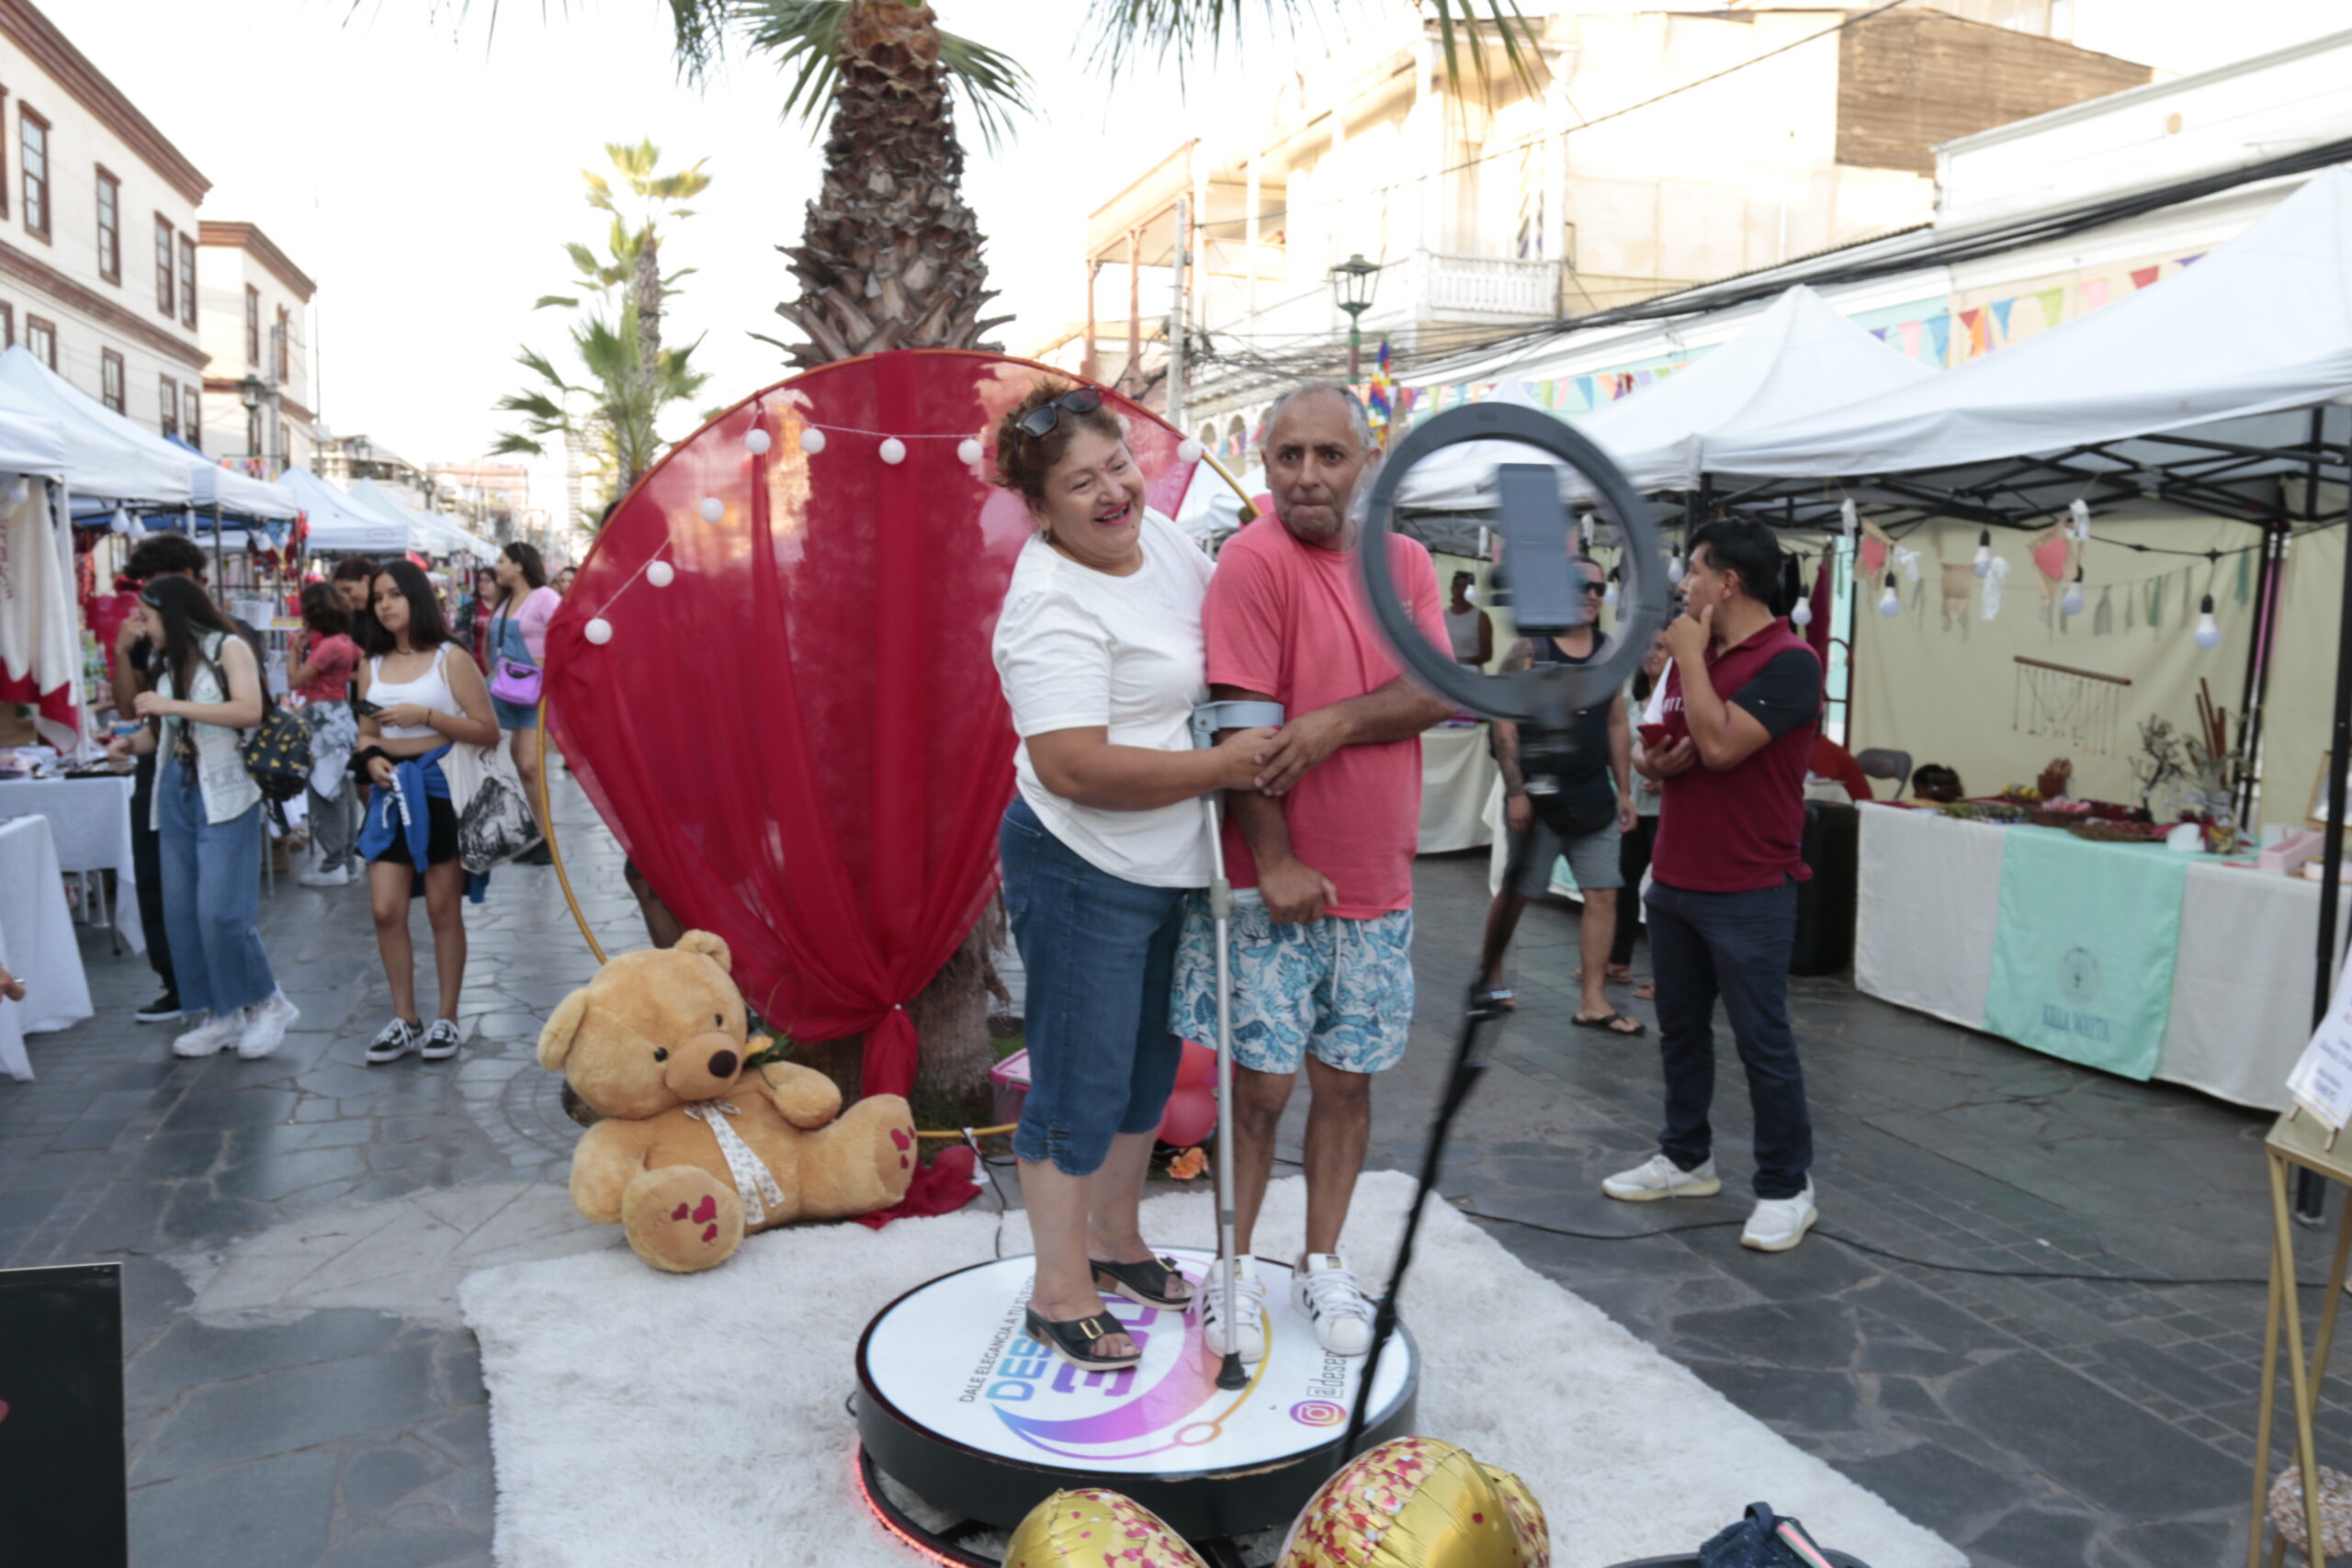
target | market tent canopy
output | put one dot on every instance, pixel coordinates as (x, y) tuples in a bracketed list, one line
[(105, 453), (239, 495), (2260, 325), (31, 441), (1800, 357), (211, 486), (427, 531), (338, 525)]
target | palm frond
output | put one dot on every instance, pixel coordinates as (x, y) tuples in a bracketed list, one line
[(698, 36), (521, 444), (544, 300), (805, 39), (1128, 33)]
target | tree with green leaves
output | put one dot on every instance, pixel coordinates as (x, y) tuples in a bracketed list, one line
[(626, 378)]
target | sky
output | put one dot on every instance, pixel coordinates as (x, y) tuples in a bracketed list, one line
[(423, 167)]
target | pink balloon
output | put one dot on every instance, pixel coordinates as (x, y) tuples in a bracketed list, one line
[(1190, 1114), (1198, 1065)]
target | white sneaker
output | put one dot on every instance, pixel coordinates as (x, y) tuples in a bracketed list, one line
[(440, 1039), (1325, 1290), (1658, 1177), (1778, 1224), (266, 1022), (339, 877), (217, 1030), (395, 1040), (1248, 1335)]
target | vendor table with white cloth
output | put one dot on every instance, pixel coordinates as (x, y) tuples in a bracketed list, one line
[(37, 942), (90, 820), (1457, 772), (1928, 921)]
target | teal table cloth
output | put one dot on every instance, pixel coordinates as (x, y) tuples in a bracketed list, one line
[(2083, 956)]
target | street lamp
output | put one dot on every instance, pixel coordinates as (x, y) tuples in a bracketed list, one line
[(1351, 283)]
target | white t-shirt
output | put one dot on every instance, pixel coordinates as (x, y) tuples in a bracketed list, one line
[(1079, 649)]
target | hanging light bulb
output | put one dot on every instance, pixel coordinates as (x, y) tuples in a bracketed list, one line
[(2208, 635), (1888, 604), (1850, 517), (1674, 568), (598, 631), (755, 441), (2072, 603), (1802, 615), (712, 509), (1983, 552), (812, 440), (1609, 593), (661, 573), (892, 451), (1188, 450), (968, 452)]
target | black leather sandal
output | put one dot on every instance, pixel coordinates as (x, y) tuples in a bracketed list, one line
[(1147, 1284), (1074, 1342)]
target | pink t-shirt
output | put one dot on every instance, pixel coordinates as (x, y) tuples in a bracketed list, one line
[(333, 658), (1289, 620)]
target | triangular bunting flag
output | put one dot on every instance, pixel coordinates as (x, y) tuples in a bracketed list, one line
[(1940, 339), (2143, 276), (2091, 293), (2192, 261), (1911, 333), (2053, 301), (1879, 333), (2000, 309)]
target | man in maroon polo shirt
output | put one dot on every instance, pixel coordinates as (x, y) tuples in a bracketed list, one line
[(1741, 706)]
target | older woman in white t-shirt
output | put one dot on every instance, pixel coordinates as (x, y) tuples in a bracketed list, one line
[(1099, 647)]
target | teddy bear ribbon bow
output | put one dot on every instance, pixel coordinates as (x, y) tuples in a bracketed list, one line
[(754, 1184)]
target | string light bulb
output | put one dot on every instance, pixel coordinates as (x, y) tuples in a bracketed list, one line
[(1888, 604), (598, 631), (1188, 450), (1801, 615), (2072, 603), (969, 452), (1985, 552), (712, 509), (812, 440), (892, 451), (661, 574), (2208, 635), (756, 440), (1674, 568), (1609, 593)]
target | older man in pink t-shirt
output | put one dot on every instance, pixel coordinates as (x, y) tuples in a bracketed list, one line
[(1320, 855)]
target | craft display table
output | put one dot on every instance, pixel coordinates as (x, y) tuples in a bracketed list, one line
[(2076, 948), (37, 942), (1457, 774), (90, 821)]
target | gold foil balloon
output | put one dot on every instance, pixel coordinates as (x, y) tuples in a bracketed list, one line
[(1418, 1503), (1095, 1528)]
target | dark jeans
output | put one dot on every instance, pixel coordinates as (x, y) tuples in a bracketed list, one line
[(1633, 864), (1734, 946), (147, 864)]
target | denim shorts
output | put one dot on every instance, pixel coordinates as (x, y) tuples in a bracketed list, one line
[(1338, 987), (1099, 953)]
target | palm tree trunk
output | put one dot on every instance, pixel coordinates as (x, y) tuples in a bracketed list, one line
[(890, 257)]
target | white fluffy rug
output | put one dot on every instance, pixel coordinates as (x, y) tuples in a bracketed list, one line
[(641, 1420)]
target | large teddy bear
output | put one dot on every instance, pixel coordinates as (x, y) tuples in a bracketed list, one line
[(693, 1152)]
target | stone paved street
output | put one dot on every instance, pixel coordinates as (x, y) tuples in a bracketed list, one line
[(302, 1392)]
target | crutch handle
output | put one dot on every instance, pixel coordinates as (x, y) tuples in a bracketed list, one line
[(1210, 717)]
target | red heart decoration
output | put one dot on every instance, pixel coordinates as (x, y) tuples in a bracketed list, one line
[(868, 740), (710, 1232), (706, 1208), (900, 1139), (679, 1213)]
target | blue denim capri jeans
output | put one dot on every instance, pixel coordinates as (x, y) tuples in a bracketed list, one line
[(1099, 953)]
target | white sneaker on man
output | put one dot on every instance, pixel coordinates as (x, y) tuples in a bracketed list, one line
[(1324, 1288), (319, 876), (1658, 1177), (1248, 1333), (266, 1022), (209, 1038), (1778, 1224)]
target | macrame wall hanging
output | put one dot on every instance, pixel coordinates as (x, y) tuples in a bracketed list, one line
[(2058, 701)]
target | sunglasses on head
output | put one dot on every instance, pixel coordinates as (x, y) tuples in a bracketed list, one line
[(1045, 416)]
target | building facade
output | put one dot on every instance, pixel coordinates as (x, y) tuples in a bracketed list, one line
[(491, 498), (1574, 188), (98, 234), (254, 306)]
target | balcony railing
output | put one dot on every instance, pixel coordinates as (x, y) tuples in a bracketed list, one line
[(1477, 285)]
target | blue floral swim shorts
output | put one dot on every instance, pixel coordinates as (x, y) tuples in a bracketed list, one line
[(1341, 988)]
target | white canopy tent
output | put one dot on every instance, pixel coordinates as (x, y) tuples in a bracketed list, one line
[(1799, 356), (337, 523), (427, 531), (104, 455), (32, 442), (2261, 325)]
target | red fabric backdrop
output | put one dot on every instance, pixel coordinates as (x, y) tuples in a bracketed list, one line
[(800, 740)]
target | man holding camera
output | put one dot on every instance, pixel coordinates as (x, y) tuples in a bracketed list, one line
[(1585, 819)]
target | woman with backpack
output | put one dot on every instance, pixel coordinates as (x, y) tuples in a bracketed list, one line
[(518, 641), (207, 813), (419, 695)]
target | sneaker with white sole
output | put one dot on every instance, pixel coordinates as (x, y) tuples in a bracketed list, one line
[(1248, 1335), (321, 876), (1325, 1291), (395, 1040), (1778, 1224), (440, 1041), (266, 1022), (218, 1030), (162, 1010), (1660, 1176)]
